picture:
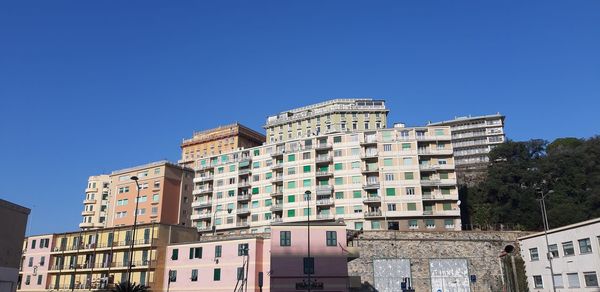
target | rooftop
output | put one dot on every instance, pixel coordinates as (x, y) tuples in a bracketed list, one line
[(15, 207), (147, 165), (466, 119), (563, 228)]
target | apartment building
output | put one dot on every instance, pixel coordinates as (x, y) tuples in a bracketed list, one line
[(99, 258), (574, 251), (96, 201), (398, 178), (218, 140), (472, 139), (165, 195), (219, 263), (326, 268), (12, 233), (337, 115), (35, 263)]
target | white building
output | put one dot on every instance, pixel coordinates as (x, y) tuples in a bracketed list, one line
[(575, 253)]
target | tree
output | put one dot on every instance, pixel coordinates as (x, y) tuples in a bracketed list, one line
[(130, 287)]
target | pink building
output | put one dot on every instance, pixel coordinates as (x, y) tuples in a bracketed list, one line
[(328, 262), (218, 264), (35, 262)]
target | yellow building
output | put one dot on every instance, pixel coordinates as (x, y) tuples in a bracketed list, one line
[(98, 259), (218, 140)]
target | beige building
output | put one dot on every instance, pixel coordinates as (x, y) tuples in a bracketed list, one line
[(398, 178), (218, 140), (337, 115), (12, 233), (95, 203), (473, 138), (165, 195)]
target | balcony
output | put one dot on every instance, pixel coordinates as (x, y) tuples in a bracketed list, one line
[(245, 197), (201, 216), (372, 199), (204, 167), (243, 172), (324, 190), (277, 193), (323, 146), (91, 190), (87, 213), (86, 225), (435, 151), (322, 216), (369, 141), (243, 184), (201, 204), (243, 211), (374, 213), (371, 185), (324, 173), (277, 179), (370, 155), (90, 201), (369, 169), (204, 190), (438, 182), (276, 208), (323, 159), (438, 197), (428, 212), (203, 228), (242, 224), (278, 165), (324, 202), (276, 220), (278, 152), (205, 178)]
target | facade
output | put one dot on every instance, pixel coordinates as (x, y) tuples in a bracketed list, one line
[(218, 140), (337, 115), (97, 259), (219, 263), (327, 264), (436, 261), (96, 202), (473, 138), (12, 233), (165, 195), (35, 262), (398, 178), (575, 254)]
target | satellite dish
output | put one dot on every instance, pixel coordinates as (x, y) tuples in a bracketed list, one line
[(458, 202)]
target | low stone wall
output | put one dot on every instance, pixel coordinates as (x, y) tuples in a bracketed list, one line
[(481, 250)]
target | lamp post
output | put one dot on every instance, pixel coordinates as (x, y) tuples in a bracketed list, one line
[(137, 200), (545, 222), (310, 262)]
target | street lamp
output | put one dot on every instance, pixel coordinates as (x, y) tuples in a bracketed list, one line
[(545, 222), (137, 200), (310, 262)]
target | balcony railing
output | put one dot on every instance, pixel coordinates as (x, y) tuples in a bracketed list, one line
[(243, 184), (371, 185), (201, 216), (324, 189), (322, 173), (323, 146), (375, 213), (277, 166), (323, 158), (276, 207), (203, 178), (241, 211), (276, 220), (372, 199), (324, 202), (242, 224), (277, 179), (277, 193), (201, 204), (324, 216), (369, 154), (244, 172), (243, 197), (278, 152)]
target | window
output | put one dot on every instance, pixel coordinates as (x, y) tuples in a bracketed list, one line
[(155, 198), (291, 170), (195, 252), (306, 183), (429, 223), (358, 225), (309, 265), (33, 244), (573, 279), (217, 274), (194, 276), (558, 281), (285, 238), (568, 248), (387, 147), (411, 206), (413, 224), (337, 153), (410, 191), (306, 211), (172, 275), (291, 185), (306, 168), (30, 262), (331, 238), (389, 176), (339, 195), (391, 207), (291, 157), (356, 194), (39, 280), (553, 249), (585, 246), (339, 181), (339, 210), (388, 162), (218, 251), (407, 161), (28, 280), (356, 165), (291, 213), (291, 199), (537, 281), (175, 254), (240, 273), (338, 166), (408, 175), (390, 192), (590, 278), (42, 261)]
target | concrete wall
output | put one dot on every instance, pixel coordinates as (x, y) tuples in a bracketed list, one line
[(481, 250)]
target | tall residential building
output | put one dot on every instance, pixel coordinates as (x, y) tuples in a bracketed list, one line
[(473, 138), (575, 254), (165, 194), (218, 140), (398, 178), (95, 204), (14, 219), (97, 259), (337, 115)]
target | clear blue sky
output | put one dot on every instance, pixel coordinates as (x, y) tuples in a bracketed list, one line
[(87, 87)]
